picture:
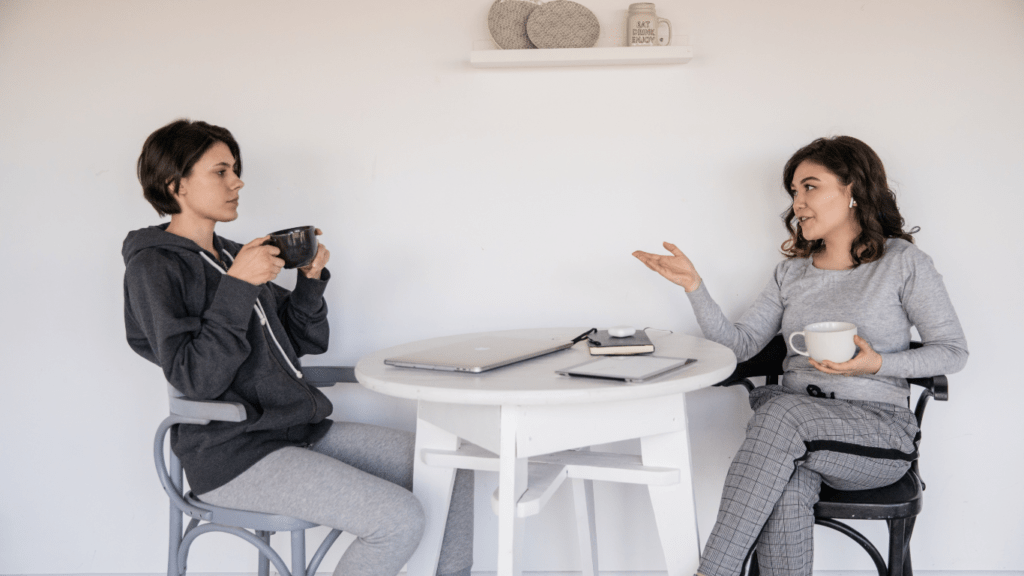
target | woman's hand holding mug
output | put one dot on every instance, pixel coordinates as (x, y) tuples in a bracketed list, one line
[(867, 361), (323, 255), (257, 264), (676, 268)]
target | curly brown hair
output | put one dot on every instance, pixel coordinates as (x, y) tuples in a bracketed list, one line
[(856, 165)]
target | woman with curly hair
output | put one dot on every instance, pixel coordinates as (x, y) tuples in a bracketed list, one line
[(847, 424)]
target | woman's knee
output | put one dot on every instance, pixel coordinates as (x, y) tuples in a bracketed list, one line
[(407, 522), (802, 490), (417, 522)]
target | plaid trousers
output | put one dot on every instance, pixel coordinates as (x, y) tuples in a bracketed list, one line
[(794, 443)]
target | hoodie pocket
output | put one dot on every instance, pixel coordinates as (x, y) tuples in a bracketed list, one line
[(283, 402)]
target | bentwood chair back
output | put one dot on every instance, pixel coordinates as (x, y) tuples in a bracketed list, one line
[(253, 527)]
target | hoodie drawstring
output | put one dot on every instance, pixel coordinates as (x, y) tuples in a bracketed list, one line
[(259, 312)]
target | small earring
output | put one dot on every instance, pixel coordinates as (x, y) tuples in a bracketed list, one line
[(852, 202)]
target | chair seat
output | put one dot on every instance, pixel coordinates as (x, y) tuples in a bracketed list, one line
[(902, 499), (247, 519)]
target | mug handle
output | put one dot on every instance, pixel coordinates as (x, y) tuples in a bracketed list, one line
[(669, 24), (793, 346)]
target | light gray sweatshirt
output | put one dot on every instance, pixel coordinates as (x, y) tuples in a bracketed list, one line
[(883, 298)]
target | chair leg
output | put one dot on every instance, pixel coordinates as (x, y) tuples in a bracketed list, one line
[(175, 542), (897, 545), (298, 552), (318, 556), (264, 562), (176, 523), (908, 570)]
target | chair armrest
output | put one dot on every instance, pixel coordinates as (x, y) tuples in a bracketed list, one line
[(734, 380), (234, 412), (937, 385), (203, 410), (321, 376), (207, 410)]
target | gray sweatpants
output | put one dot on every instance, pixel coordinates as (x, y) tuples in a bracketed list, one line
[(357, 479), (794, 443)]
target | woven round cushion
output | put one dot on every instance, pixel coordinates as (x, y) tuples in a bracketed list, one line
[(563, 24), (507, 22)]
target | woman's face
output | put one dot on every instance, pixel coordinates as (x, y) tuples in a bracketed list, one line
[(210, 191), (822, 204)]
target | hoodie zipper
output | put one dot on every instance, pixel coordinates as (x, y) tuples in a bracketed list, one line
[(266, 324), (300, 384)]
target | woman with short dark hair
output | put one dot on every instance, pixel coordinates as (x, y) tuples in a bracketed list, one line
[(205, 310), (169, 155), (847, 424)]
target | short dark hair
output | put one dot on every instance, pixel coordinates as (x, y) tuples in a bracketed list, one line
[(856, 165), (169, 155)]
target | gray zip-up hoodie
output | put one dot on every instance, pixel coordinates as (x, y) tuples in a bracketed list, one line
[(211, 335)]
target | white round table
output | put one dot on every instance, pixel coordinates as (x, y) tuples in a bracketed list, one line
[(529, 424)]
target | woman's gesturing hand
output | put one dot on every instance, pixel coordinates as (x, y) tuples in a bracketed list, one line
[(676, 268), (867, 361), (323, 255), (256, 263)]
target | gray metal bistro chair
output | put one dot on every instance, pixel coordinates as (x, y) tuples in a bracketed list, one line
[(898, 504), (253, 527)]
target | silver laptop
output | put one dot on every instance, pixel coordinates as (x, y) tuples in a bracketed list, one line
[(479, 354)]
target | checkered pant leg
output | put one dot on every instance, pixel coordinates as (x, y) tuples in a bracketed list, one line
[(763, 472), (786, 545)]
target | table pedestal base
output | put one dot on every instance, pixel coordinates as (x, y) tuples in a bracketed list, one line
[(535, 448)]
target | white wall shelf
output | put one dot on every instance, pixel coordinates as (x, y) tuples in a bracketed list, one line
[(580, 57)]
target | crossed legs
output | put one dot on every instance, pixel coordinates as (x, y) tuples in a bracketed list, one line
[(793, 443)]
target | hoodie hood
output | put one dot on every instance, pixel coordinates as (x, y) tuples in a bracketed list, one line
[(158, 237)]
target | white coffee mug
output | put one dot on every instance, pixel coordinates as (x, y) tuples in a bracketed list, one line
[(827, 341)]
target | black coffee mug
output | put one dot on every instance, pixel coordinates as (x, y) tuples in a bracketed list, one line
[(297, 245)]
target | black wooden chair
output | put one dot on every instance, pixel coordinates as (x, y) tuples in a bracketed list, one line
[(898, 504)]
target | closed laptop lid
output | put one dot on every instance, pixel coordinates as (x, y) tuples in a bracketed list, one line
[(478, 354)]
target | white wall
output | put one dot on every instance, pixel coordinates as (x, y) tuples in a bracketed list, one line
[(458, 200)]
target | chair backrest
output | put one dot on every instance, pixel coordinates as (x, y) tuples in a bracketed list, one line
[(767, 362), (184, 411)]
